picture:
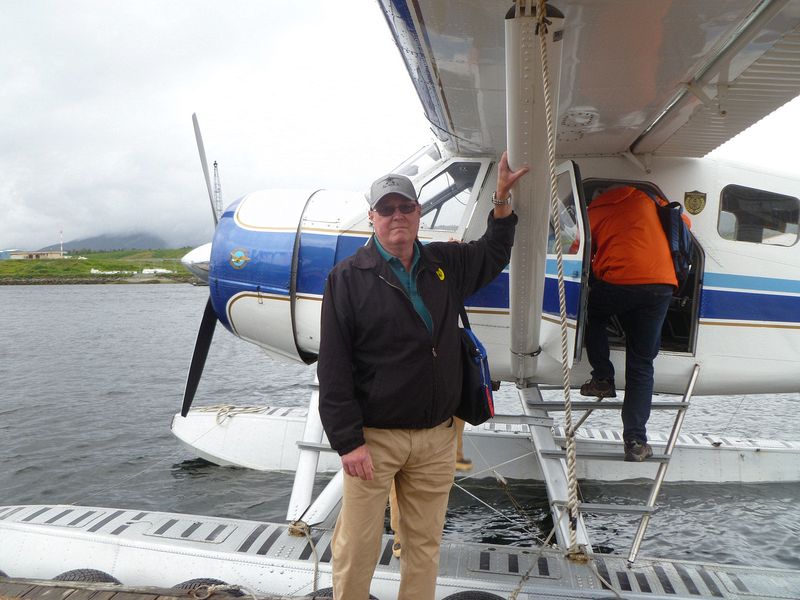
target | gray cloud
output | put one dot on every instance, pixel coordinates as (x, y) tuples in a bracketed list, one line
[(97, 100), (97, 97)]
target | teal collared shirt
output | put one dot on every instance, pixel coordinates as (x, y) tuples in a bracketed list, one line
[(408, 281)]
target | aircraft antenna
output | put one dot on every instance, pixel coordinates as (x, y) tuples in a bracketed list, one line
[(217, 192)]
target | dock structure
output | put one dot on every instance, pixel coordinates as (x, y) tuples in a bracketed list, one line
[(144, 548), (41, 589)]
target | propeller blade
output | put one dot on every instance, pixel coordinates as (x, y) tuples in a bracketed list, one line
[(204, 336), (204, 162)]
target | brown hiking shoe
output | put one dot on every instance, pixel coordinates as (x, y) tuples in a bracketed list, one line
[(636, 451), (599, 388)]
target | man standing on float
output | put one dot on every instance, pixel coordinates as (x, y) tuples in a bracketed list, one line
[(390, 378)]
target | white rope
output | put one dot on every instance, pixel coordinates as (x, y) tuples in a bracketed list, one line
[(572, 479), (534, 562), (733, 414), (232, 408), (226, 411), (569, 428), (306, 531), (474, 446), (494, 510), (493, 468), (607, 583)]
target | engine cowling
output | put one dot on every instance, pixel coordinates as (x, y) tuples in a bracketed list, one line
[(271, 253)]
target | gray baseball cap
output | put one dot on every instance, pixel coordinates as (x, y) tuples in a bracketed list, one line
[(391, 184)]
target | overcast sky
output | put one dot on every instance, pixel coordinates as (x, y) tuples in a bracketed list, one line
[(97, 97)]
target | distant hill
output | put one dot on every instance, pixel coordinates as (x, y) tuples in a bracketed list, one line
[(130, 241)]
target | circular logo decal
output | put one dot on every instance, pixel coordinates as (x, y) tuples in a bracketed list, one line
[(239, 258)]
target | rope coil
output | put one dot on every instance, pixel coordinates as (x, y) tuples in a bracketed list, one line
[(226, 411), (205, 591), (299, 528)]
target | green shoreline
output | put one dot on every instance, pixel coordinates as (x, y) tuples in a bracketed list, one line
[(188, 278), (116, 266)]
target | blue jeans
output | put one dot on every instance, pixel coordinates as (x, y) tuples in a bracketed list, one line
[(641, 310)]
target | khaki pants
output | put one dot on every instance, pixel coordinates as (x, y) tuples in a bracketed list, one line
[(394, 511), (421, 463)]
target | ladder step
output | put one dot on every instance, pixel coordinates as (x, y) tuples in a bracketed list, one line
[(522, 420), (600, 455), (314, 446), (611, 509), (605, 404)]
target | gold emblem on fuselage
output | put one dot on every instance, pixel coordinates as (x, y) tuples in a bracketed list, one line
[(694, 202)]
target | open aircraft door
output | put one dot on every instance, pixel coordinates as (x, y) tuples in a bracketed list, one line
[(576, 254)]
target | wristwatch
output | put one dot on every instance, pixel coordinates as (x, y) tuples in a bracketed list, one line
[(497, 202)]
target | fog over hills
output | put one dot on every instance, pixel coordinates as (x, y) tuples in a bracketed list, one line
[(129, 241)]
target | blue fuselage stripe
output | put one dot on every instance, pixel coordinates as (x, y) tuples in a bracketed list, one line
[(744, 306), (750, 283), (319, 252), (265, 266), (748, 298)]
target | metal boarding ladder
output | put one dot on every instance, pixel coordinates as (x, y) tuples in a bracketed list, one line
[(552, 462)]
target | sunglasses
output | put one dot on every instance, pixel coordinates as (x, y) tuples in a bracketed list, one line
[(387, 211)]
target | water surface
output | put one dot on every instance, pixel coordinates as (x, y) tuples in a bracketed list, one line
[(92, 376)]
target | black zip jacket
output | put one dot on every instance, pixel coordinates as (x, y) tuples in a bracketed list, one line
[(379, 366)]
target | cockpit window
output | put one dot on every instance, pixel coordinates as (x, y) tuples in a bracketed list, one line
[(752, 215), (419, 162), (444, 197)]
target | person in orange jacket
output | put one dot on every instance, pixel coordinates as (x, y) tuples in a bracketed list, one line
[(632, 278)]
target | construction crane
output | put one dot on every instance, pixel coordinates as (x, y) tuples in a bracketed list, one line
[(217, 192)]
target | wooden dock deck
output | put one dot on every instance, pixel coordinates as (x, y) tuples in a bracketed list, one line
[(37, 589)]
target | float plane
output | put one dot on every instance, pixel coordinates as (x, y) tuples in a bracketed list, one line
[(587, 93)]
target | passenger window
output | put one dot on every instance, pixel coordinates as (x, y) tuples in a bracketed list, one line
[(444, 197), (751, 215)]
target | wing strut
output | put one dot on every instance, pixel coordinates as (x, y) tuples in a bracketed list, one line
[(527, 129)]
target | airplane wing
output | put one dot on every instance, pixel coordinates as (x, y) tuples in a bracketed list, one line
[(674, 78)]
